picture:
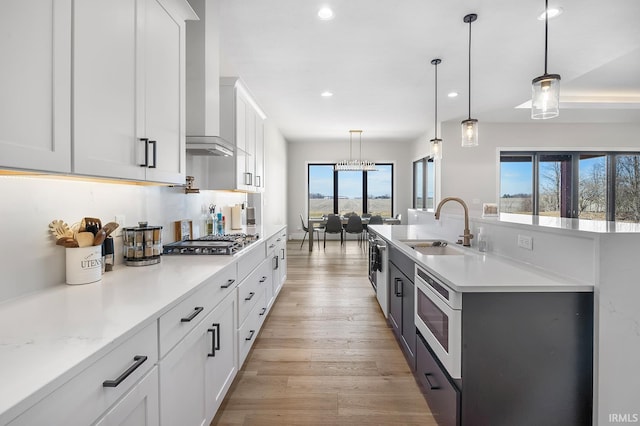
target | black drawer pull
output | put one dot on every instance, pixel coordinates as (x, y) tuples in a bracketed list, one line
[(139, 360), (215, 339), (263, 311), (263, 279), (154, 155), (251, 332), (146, 152), (194, 314), (431, 385), (250, 296), (397, 281), (272, 246), (228, 284)]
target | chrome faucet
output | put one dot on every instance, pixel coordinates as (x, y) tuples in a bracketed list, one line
[(467, 235)]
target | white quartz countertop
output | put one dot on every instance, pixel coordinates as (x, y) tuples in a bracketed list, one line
[(473, 271), (49, 336)]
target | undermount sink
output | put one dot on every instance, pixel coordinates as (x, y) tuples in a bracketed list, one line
[(432, 247)]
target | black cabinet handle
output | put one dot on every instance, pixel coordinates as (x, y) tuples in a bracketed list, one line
[(251, 332), (272, 246), (215, 339), (251, 294), (431, 385), (194, 314), (247, 178), (282, 250), (258, 181), (263, 279), (139, 360), (263, 311), (146, 152), (397, 281), (228, 284), (154, 154)]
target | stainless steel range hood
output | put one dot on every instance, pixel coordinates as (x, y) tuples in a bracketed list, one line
[(209, 146)]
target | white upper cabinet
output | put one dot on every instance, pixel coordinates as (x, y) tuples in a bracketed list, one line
[(129, 60), (241, 123), (35, 85)]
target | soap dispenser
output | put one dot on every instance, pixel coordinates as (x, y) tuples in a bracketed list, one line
[(482, 240)]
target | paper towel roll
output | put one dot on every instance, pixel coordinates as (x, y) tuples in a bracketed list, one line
[(236, 217)]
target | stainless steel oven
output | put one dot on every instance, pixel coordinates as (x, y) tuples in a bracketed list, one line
[(438, 316), (378, 271)]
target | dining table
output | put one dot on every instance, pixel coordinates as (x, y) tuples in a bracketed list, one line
[(321, 221)]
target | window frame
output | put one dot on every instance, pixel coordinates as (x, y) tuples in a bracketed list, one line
[(364, 187), (610, 184), (425, 161)]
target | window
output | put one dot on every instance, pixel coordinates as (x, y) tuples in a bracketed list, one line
[(320, 189), (424, 183), (585, 185), (350, 191), (379, 189)]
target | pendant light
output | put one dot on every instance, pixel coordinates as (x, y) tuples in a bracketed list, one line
[(545, 90), (355, 165), (470, 125), (436, 144)]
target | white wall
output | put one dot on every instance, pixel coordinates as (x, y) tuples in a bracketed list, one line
[(301, 154), (472, 173), (29, 258), (274, 199)]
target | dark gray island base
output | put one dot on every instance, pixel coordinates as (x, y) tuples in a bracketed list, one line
[(527, 359)]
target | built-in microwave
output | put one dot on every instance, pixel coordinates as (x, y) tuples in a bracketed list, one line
[(438, 317)]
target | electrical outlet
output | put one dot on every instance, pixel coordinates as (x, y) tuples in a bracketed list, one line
[(525, 241), (120, 221)]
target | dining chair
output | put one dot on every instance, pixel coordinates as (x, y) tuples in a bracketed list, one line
[(333, 226), (354, 226), (305, 228), (376, 220)]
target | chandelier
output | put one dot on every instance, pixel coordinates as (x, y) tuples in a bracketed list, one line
[(355, 165)]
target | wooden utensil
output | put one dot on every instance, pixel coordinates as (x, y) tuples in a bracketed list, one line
[(109, 227), (98, 239), (68, 242), (92, 224), (60, 229), (84, 239)]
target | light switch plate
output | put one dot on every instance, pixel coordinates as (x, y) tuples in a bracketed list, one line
[(525, 241), (120, 221)]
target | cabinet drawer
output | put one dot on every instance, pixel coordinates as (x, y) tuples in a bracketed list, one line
[(252, 288), (248, 332), (441, 395), (182, 318), (83, 399), (249, 261), (272, 244)]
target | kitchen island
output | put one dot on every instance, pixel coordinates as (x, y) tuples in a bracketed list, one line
[(495, 341)]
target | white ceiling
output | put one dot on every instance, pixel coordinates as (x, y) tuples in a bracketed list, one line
[(375, 57)]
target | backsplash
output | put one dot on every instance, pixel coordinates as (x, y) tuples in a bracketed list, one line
[(30, 260)]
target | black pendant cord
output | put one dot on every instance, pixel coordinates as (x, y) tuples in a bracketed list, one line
[(546, 32), (470, 68)]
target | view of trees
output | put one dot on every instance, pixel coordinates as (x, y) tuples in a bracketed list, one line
[(592, 187)]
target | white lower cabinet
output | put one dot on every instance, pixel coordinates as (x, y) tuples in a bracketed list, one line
[(196, 374), (139, 407), (103, 385)]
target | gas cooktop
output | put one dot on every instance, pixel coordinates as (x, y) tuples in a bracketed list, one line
[(211, 244)]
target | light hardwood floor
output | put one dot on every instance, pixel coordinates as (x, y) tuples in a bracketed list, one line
[(325, 355)]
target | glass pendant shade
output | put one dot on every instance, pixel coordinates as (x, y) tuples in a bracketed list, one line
[(469, 132), (436, 148), (545, 96)]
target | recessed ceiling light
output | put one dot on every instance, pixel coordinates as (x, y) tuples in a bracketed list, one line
[(326, 94), (325, 14), (553, 12), (452, 94)]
